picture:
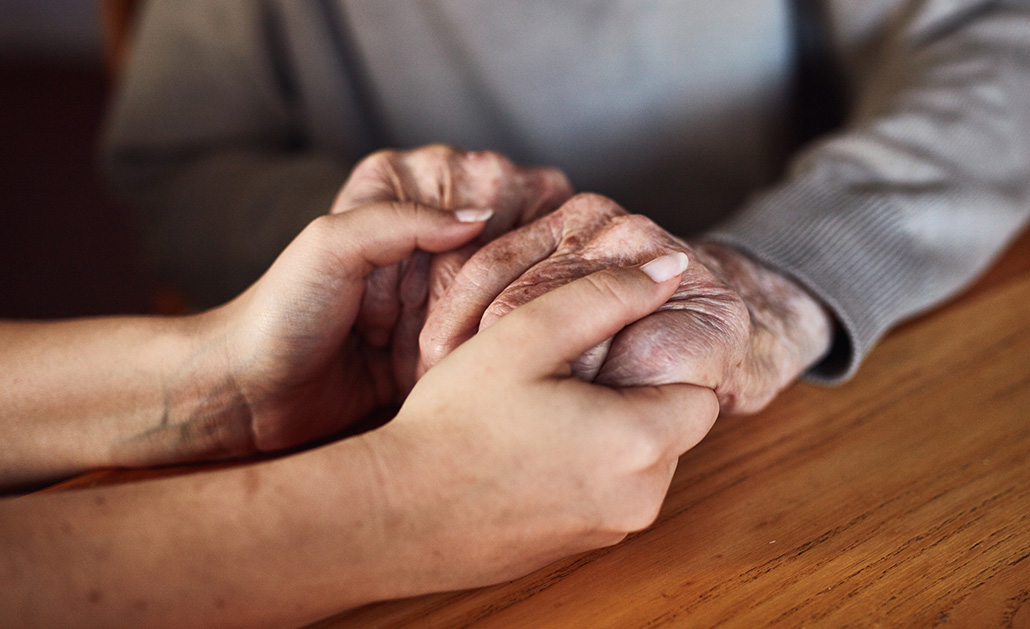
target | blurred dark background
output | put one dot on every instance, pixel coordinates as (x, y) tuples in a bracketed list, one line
[(66, 247)]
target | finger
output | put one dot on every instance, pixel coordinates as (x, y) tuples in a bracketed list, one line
[(387, 288), (377, 178), (381, 234), (405, 347), (455, 317), (379, 305), (444, 268), (545, 190), (520, 194), (321, 274), (546, 335), (671, 346)]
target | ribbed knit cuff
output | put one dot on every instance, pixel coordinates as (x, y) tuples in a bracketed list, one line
[(847, 249)]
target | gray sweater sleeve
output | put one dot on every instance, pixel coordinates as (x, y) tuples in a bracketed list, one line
[(926, 184), (202, 142)]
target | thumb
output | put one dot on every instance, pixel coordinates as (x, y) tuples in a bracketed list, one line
[(546, 335), (322, 271), (381, 234)]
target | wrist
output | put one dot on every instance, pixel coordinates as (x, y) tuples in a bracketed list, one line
[(775, 302), (197, 412)]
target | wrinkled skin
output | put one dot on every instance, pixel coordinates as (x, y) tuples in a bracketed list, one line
[(397, 297), (732, 326)]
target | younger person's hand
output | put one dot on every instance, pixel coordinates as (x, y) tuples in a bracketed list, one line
[(289, 366), (501, 461)]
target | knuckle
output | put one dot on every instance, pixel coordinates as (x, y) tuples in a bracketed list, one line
[(492, 157), (497, 310), (593, 203), (319, 231), (733, 318), (635, 442), (706, 407), (643, 517), (439, 149), (644, 448), (551, 181), (431, 348), (377, 160), (636, 508), (636, 222), (557, 181), (608, 288), (408, 210), (592, 198)]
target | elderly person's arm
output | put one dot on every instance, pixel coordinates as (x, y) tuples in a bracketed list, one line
[(733, 326), (927, 182)]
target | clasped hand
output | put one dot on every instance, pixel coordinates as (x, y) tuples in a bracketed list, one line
[(733, 326), (371, 296)]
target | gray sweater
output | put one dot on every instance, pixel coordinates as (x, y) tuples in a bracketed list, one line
[(238, 121)]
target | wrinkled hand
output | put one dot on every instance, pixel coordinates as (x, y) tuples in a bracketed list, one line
[(732, 326), (397, 297)]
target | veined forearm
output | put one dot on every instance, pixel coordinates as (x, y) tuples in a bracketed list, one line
[(76, 395)]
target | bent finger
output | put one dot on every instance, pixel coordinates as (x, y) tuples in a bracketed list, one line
[(546, 335), (455, 316), (381, 234)]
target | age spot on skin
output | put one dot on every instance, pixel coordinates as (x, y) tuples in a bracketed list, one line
[(95, 596)]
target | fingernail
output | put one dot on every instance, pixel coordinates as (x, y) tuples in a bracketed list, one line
[(473, 215), (666, 267)]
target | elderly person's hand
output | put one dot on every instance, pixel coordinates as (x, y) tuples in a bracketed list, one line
[(396, 297), (732, 326)]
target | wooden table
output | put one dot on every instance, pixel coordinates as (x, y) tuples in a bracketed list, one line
[(899, 499)]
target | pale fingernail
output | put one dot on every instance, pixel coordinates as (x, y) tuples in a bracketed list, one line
[(666, 267), (473, 215)]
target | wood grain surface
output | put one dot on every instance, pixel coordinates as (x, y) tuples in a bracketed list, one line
[(899, 499)]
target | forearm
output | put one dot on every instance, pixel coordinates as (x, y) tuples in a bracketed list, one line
[(925, 185), (124, 391), (282, 542)]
